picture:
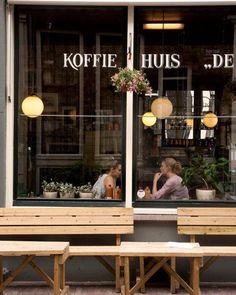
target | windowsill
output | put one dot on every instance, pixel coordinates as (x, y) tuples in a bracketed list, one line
[(155, 214)]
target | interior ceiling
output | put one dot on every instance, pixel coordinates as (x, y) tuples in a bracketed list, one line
[(158, 16), (187, 14)]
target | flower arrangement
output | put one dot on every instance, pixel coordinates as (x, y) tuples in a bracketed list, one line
[(131, 80)]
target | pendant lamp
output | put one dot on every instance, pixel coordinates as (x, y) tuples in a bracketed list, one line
[(162, 107), (210, 120), (32, 106), (189, 123), (149, 119)]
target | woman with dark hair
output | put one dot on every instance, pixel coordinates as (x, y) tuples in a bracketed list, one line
[(173, 188), (107, 181)]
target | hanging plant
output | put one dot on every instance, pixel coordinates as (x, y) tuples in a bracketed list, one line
[(131, 80)]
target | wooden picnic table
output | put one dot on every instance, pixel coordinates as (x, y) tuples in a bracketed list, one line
[(164, 251), (29, 250)]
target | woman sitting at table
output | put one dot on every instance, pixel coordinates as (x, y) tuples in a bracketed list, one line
[(107, 180), (173, 189)]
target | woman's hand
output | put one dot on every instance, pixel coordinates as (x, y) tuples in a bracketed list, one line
[(157, 177)]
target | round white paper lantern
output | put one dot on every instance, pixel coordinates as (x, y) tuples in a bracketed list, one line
[(162, 107), (149, 119), (32, 106), (210, 120)]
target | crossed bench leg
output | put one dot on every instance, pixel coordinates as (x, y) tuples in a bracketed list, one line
[(58, 283), (29, 250), (162, 263)]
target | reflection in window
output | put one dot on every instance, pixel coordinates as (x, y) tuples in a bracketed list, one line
[(79, 133), (194, 88)]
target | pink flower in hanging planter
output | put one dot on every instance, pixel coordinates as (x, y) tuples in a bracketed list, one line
[(131, 80)]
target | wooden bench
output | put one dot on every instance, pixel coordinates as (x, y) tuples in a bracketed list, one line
[(29, 250), (208, 221), (72, 221)]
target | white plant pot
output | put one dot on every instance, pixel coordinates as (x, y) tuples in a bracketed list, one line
[(67, 195), (205, 194), (85, 195), (50, 195)]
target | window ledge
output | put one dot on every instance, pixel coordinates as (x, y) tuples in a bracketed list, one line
[(155, 214)]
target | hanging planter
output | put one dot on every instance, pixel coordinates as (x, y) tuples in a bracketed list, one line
[(131, 80)]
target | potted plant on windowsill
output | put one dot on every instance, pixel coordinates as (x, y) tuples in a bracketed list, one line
[(49, 189), (86, 191), (66, 190), (209, 177)]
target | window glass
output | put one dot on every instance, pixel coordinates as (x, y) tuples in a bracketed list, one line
[(67, 57), (192, 66)]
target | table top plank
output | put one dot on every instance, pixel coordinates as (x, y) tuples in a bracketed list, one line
[(219, 250), (94, 250), (160, 249), (37, 248)]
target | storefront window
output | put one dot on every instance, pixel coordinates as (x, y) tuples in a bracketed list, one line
[(193, 65), (66, 57)]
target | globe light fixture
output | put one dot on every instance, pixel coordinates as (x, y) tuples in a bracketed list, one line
[(189, 122), (149, 119), (32, 106), (210, 120), (162, 107)]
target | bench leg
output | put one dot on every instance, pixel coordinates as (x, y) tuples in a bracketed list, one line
[(117, 273), (195, 275), (142, 273), (173, 283), (62, 276), (56, 283), (1, 272), (126, 275)]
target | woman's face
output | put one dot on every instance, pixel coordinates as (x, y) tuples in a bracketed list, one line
[(117, 171), (164, 168)]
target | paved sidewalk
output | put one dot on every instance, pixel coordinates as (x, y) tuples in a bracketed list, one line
[(109, 290)]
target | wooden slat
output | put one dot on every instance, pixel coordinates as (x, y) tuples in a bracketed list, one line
[(65, 230), (159, 249), (94, 250), (206, 211), (207, 230), (19, 248), (219, 251), (66, 220), (207, 220), (88, 211)]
